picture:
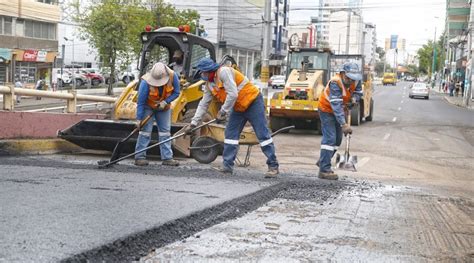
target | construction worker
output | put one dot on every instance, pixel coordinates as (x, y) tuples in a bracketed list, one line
[(241, 102), (343, 89), (157, 90)]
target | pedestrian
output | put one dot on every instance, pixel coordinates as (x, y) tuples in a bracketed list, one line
[(18, 84), (39, 86), (345, 88), (451, 87), (158, 88), (462, 88), (457, 87), (241, 102)]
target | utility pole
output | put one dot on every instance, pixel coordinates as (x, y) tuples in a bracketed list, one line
[(339, 48), (197, 27), (433, 71), (348, 35), (264, 73)]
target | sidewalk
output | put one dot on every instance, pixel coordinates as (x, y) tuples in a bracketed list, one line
[(92, 91), (457, 101)]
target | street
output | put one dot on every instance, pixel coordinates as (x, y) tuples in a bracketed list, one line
[(410, 200)]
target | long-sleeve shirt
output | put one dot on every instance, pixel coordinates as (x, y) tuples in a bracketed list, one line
[(144, 90), (226, 75), (337, 104)]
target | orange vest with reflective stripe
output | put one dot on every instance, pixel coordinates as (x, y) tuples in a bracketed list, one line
[(246, 95), (154, 97), (325, 105)]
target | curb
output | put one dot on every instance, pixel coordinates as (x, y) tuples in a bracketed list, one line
[(36, 146), (458, 104)]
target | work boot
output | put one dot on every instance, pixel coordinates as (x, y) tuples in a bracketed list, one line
[(272, 172), (328, 175), (170, 162), (141, 162), (223, 170)]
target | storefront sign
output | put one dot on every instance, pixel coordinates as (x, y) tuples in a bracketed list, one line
[(5, 54), (30, 55), (41, 56)]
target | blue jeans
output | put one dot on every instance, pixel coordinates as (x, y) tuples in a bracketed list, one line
[(255, 114), (163, 121), (332, 138)]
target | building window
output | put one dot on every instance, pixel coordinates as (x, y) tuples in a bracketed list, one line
[(51, 2), (20, 27), (5, 25), (41, 30)]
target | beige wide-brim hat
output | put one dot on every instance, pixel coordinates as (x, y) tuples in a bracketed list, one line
[(158, 76)]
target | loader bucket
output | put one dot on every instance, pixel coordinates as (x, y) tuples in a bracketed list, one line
[(104, 134)]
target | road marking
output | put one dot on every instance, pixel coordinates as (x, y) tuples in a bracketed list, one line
[(386, 136), (394, 119), (363, 161), (399, 108)]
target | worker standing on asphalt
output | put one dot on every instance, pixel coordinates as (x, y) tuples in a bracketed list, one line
[(241, 102), (343, 89), (157, 90)]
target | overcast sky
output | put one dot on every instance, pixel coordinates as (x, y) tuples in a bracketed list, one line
[(414, 20)]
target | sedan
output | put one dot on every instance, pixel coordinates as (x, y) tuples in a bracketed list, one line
[(419, 90)]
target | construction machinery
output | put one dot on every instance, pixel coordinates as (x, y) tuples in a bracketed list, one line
[(308, 71), (157, 46)]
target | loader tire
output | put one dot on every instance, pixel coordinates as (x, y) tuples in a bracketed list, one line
[(355, 116), (371, 111)]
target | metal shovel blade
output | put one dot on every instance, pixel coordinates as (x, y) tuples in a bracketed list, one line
[(345, 163)]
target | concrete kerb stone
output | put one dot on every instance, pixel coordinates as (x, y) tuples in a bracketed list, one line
[(36, 146), (456, 101)]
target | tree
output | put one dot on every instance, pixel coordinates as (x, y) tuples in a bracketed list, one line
[(381, 53), (379, 67), (113, 28), (425, 55)]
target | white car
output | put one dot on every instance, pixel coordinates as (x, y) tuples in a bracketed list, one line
[(419, 89), (277, 81)]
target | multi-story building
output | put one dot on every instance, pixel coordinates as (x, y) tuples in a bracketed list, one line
[(323, 20), (339, 33), (369, 44), (28, 39), (395, 42)]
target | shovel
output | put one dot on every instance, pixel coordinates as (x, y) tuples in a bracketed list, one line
[(119, 146), (346, 161), (106, 164)]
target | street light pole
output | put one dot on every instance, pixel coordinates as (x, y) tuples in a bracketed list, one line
[(265, 70), (72, 62), (433, 64)]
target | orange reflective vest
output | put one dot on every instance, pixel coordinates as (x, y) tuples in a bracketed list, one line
[(325, 104), (154, 97), (247, 92)]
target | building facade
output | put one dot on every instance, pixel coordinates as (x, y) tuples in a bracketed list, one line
[(28, 39), (344, 40), (370, 44)]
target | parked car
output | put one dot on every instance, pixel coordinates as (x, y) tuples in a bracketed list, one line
[(419, 89), (62, 79), (94, 77), (126, 77), (277, 81), (410, 78)]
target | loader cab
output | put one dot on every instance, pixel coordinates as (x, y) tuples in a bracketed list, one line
[(314, 60), (161, 44)]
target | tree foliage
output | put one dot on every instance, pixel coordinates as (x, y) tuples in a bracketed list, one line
[(425, 56), (379, 66), (113, 27), (381, 53)]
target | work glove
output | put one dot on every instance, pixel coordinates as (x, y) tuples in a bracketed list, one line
[(162, 105), (353, 100), (346, 129), (221, 116), (188, 129)]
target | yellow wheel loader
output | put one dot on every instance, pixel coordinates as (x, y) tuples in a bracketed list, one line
[(157, 46)]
